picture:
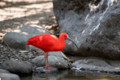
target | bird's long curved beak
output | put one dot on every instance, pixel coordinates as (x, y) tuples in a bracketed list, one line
[(72, 41)]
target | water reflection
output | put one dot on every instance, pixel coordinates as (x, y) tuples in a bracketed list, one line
[(73, 75), (53, 76)]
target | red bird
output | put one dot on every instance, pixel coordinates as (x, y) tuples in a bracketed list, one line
[(47, 43)]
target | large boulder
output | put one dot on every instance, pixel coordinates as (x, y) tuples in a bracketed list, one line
[(97, 64), (16, 66), (9, 76), (93, 25), (18, 38), (5, 75), (54, 61)]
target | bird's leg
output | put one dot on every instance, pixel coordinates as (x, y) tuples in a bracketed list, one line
[(46, 62)]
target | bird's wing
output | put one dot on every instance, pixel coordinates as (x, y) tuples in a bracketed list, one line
[(48, 41)]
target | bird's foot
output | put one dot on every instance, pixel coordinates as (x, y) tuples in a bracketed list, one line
[(49, 67)]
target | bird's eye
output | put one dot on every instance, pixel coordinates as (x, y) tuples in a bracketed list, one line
[(65, 36)]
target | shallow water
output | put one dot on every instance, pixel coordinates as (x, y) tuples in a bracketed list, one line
[(73, 75)]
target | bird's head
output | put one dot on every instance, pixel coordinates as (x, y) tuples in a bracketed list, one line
[(65, 36)]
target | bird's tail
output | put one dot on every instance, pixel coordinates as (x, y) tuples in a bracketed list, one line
[(28, 43)]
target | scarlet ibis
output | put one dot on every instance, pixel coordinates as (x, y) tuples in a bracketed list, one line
[(47, 43)]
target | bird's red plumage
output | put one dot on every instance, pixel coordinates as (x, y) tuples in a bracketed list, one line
[(47, 42)]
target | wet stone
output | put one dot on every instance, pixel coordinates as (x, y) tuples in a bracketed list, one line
[(96, 65), (42, 70)]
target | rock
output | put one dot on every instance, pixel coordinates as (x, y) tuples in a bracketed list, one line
[(9, 76), (5, 75), (18, 38), (57, 62), (114, 63), (56, 54), (95, 64), (42, 70), (92, 24), (3, 71), (16, 66)]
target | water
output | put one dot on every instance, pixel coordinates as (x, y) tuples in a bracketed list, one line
[(73, 75)]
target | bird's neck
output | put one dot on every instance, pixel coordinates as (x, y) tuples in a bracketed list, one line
[(61, 42), (61, 38)]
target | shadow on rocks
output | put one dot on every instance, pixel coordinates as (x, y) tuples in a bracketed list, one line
[(19, 67)]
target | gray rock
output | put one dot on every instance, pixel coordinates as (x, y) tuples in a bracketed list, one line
[(16, 66), (42, 70), (40, 52), (91, 61), (114, 63), (9, 76), (5, 75), (57, 62), (95, 64), (3, 71), (18, 38), (95, 30), (57, 54)]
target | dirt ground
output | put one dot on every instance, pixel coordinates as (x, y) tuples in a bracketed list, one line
[(16, 13)]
